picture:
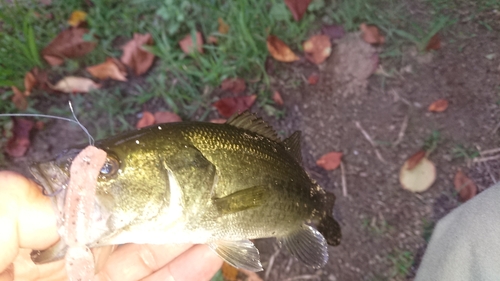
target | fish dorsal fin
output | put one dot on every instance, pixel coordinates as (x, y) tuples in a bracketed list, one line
[(292, 145), (249, 121)]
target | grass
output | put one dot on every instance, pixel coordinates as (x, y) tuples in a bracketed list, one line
[(380, 227), (402, 262), (460, 151)]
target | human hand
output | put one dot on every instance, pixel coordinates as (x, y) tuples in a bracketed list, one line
[(28, 221)]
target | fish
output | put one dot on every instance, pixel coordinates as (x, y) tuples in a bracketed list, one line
[(202, 183)]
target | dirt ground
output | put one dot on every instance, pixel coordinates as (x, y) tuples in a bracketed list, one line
[(381, 222)]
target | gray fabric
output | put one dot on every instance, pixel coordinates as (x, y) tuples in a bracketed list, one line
[(465, 245)]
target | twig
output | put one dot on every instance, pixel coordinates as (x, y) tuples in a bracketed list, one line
[(289, 264), (484, 159), (344, 183), (271, 263), (370, 140), (490, 151), (301, 277), (401, 132)]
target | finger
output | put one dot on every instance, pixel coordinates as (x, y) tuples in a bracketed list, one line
[(27, 219), (133, 262), (198, 263), (25, 269)]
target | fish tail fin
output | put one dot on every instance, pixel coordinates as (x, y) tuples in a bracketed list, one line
[(328, 226), (54, 253), (307, 245)]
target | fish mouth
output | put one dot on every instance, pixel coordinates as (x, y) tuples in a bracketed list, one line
[(50, 176)]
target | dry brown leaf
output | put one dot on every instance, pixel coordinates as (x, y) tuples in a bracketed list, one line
[(212, 40), (223, 27), (330, 161), (19, 99), (188, 46), (166, 117), (233, 85), (146, 120), (229, 272), (420, 177), (434, 43), (279, 50), (371, 34), (135, 56), (73, 84), (298, 7), (218, 121), (19, 143), (317, 48), (68, 44), (465, 187), (77, 17), (277, 98), (29, 82), (439, 105), (230, 106), (313, 79), (415, 159), (111, 68)]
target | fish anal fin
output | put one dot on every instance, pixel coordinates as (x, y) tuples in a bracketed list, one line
[(306, 244), (240, 254), (330, 229), (242, 200), (292, 145), (249, 121)]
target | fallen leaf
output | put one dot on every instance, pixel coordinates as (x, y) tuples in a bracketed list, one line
[(434, 43), (218, 121), (73, 84), (465, 187), (39, 125), (317, 48), (297, 7), (19, 99), (439, 105), (135, 56), (333, 31), (330, 161), (111, 68), (313, 79), (188, 46), (279, 50), (29, 82), (223, 27), (68, 44), (19, 143), (371, 34), (76, 18), (415, 159), (147, 119), (166, 117), (212, 40), (229, 272), (229, 106), (277, 98), (233, 85), (420, 177)]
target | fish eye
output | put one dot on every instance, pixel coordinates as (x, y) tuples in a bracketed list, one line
[(110, 167)]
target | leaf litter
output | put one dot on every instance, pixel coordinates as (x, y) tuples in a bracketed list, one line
[(110, 69), (465, 187), (297, 7), (188, 46), (317, 48), (19, 143), (68, 44), (330, 161), (135, 56), (74, 84), (232, 105), (279, 50)]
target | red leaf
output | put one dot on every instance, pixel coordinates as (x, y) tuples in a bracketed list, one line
[(233, 85), (371, 34), (188, 46), (438, 106), (277, 98), (297, 7), (313, 79), (147, 119), (330, 161), (135, 56), (19, 143), (415, 159), (465, 187), (333, 31), (229, 106), (68, 44), (434, 43), (166, 117)]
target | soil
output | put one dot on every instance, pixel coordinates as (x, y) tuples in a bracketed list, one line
[(380, 221)]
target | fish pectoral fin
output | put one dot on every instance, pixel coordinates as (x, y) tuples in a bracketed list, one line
[(242, 200), (54, 253), (306, 244), (240, 254)]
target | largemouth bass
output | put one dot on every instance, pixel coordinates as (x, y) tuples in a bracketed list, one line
[(195, 182)]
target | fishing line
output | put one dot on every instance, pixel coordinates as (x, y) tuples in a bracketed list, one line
[(75, 120)]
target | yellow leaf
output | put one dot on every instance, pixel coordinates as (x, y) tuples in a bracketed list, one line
[(223, 27), (111, 68), (72, 84), (76, 18), (279, 50)]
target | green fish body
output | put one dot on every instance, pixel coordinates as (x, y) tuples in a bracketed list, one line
[(215, 184)]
